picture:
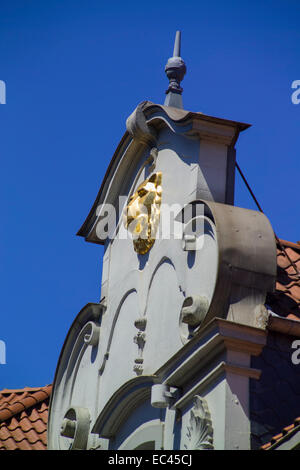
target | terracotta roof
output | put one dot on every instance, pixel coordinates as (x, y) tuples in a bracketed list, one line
[(285, 434), (23, 418), (285, 301)]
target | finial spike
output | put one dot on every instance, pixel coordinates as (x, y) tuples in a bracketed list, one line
[(175, 70), (177, 44)]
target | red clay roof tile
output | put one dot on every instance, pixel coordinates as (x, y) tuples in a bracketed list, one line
[(24, 445), (277, 437), (38, 426), (275, 441), (18, 435), (9, 444), (288, 428), (266, 446), (285, 301), (40, 446), (4, 433), (23, 418)]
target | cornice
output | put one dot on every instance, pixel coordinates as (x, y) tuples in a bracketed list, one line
[(212, 344)]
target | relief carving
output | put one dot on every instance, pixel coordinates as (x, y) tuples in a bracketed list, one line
[(200, 431), (140, 340), (142, 213)]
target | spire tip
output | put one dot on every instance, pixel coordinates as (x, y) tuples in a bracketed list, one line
[(175, 70)]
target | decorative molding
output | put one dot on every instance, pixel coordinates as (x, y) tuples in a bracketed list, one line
[(207, 346), (138, 128), (194, 309), (284, 325), (242, 345), (141, 323), (92, 334), (261, 317), (75, 426), (121, 405), (200, 431), (140, 340), (138, 368), (83, 334), (152, 159), (117, 308), (243, 371), (210, 378), (192, 314)]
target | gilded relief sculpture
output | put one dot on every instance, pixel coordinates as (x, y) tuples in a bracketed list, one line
[(142, 213)]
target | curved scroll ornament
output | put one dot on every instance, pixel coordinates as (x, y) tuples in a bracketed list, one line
[(137, 126), (142, 213), (75, 426), (200, 431)]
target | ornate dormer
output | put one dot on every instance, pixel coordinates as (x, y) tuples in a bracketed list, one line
[(164, 359)]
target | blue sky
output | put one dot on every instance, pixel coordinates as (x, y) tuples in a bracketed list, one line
[(74, 71)]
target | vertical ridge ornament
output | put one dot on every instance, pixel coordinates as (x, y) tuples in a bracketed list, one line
[(140, 340)]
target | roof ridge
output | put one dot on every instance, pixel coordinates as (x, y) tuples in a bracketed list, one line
[(22, 390), (290, 244)]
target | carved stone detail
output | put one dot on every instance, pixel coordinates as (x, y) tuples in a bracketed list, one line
[(140, 323), (75, 426), (200, 431), (92, 333), (194, 309), (140, 340), (192, 314), (138, 369), (261, 317), (137, 126)]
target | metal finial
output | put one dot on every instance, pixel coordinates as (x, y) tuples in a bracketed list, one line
[(175, 71), (177, 43)]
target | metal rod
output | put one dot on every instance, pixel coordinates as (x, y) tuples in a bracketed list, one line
[(259, 207)]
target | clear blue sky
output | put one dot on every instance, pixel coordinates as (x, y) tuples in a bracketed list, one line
[(74, 71)]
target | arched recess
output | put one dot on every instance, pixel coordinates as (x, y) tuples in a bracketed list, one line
[(122, 350), (128, 420), (162, 312), (148, 436)]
